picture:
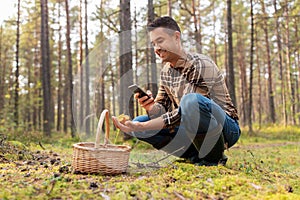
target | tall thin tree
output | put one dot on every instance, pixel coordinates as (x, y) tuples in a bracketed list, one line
[(70, 70), (271, 104), (170, 8), (197, 33), (279, 55), (153, 86), (59, 66), (16, 110), (125, 75), (45, 74), (251, 69), (87, 71), (290, 84), (2, 73), (80, 67), (230, 81)]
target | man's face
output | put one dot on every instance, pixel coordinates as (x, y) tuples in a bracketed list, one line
[(166, 46)]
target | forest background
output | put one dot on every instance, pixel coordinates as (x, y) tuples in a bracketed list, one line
[(62, 63)]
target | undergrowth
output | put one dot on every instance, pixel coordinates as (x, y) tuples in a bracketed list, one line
[(264, 165)]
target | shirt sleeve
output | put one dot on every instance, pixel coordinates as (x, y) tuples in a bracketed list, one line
[(163, 107), (160, 105), (171, 119)]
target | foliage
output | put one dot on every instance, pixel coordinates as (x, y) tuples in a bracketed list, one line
[(208, 18), (261, 166)]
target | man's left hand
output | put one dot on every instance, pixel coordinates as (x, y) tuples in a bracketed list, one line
[(128, 126)]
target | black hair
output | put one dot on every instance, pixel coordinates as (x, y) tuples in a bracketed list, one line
[(164, 22)]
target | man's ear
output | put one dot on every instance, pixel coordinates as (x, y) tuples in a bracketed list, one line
[(177, 36)]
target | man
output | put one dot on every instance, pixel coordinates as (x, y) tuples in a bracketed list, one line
[(192, 113)]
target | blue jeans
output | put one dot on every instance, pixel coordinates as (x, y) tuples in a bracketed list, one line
[(201, 118)]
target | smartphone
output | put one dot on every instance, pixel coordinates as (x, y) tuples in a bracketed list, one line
[(136, 89)]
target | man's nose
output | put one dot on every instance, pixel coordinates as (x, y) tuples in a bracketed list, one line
[(156, 47)]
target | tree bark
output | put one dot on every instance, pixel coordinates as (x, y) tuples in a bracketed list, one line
[(281, 75), (169, 7), (197, 33), (87, 73), (259, 101), (290, 84), (272, 113), (297, 64), (16, 109), (153, 85), (70, 71), (125, 74), (251, 70), (136, 59), (59, 66), (2, 74), (46, 80), (230, 80), (80, 68), (243, 75)]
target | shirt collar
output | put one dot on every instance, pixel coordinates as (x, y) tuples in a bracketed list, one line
[(184, 61)]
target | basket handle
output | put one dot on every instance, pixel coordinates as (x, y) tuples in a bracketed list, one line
[(104, 115)]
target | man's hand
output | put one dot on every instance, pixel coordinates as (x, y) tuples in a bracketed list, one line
[(128, 126), (144, 102)]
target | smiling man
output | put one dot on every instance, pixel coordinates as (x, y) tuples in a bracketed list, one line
[(192, 116)]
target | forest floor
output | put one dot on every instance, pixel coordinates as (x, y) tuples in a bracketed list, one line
[(265, 165)]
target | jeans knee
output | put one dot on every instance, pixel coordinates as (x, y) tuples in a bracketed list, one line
[(141, 118), (189, 101), (194, 101)]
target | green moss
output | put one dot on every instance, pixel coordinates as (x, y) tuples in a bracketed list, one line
[(265, 165)]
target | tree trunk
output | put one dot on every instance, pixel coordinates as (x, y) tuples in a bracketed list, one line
[(297, 64), (251, 71), (136, 59), (125, 75), (60, 84), (243, 75), (230, 80), (87, 74), (215, 46), (272, 113), (2, 75), (46, 82), (37, 101), (259, 101), (291, 91), (169, 7), (153, 85), (70, 70), (197, 34), (16, 108), (102, 64), (80, 68), (281, 75), (113, 93)]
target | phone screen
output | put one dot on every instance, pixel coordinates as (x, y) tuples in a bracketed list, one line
[(136, 89)]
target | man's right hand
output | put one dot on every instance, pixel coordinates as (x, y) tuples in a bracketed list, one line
[(145, 102)]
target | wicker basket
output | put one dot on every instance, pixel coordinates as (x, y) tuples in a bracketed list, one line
[(89, 157)]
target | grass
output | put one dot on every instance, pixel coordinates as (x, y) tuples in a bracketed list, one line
[(265, 165)]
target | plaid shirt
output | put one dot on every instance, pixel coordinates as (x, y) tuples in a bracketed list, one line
[(195, 73)]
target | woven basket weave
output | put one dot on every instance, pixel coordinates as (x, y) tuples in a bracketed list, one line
[(90, 157)]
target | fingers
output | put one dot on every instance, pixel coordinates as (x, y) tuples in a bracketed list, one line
[(119, 125), (149, 93), (116, 121), (146, 102), (136, 95)]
